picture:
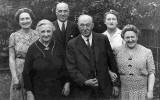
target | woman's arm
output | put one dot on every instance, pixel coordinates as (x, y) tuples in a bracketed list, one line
[(151, 77), (28, 69), (12, 60), (151, 81), (12, 65)]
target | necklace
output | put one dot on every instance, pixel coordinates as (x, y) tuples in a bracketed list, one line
[(130, 56), (129, 53), (46, 48)]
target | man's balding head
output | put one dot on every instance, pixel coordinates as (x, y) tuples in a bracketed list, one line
[(85, 24)]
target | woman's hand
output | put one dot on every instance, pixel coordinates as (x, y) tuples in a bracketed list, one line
[(15, 80), (150, 95), (16, 83), (113, 76), (115, 91), (66, 89), (30, 95)]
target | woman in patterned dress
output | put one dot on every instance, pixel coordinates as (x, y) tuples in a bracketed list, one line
[(19, 42), (136, 67)]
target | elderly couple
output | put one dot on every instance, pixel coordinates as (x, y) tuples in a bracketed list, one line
[(55, 69)]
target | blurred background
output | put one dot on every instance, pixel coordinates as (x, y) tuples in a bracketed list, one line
[(145, 14)]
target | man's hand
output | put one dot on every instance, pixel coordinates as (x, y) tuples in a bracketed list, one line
[(30, 95), (66, 89), (113, 76), (115, 91), (91, 82)]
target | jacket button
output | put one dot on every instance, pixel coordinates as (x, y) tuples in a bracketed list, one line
[(131, 74), (129, 65), (71, 36)]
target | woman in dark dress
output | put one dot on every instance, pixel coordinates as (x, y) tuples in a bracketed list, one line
[(44, 73)]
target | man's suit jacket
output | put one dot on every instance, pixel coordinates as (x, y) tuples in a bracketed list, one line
[(77, 62), (71, 32)]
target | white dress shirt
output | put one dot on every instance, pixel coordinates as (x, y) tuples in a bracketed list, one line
[(60, 24), (115, 40), (85, 39)]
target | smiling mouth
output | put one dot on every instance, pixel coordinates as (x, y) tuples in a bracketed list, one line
[(26, 24)]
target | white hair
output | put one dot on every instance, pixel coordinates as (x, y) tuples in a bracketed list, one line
[(85, 16), (62, 4), (45, 22)]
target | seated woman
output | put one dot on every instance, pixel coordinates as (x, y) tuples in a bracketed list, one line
[(44, 73), (136, 67)]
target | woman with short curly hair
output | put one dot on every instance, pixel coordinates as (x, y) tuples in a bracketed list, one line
[(19, 42), (136, 67)]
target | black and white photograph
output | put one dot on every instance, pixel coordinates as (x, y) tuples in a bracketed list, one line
[(79, 49)]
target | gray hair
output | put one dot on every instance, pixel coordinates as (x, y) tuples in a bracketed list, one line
[(85, 15), (62, 3), (45, 22), (130, 27)]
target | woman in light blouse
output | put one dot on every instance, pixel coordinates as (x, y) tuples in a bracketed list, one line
[(114, 35), (113, 32)]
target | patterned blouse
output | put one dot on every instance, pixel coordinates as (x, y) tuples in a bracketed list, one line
[(20, 42), (134, 66)]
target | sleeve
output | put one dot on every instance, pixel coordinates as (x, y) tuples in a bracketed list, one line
[(112, 62), (12, 41), (27, 70), (71, 66), (150, 63), (64, 74)]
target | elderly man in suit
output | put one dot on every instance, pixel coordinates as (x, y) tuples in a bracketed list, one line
[(88, 58)]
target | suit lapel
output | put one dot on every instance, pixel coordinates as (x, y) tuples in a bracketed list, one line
[(82, 47), (57, 26), (67, 32), (58, 32), (96, 44)]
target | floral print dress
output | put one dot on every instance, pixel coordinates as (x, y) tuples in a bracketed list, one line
[(134, 67), (20, 42)]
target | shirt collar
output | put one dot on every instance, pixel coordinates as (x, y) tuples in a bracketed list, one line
[(118, 32), (85, 38), (60, 24)]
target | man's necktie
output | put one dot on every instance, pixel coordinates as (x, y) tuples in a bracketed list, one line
[(63, 27), (93, 73), (88, 43)]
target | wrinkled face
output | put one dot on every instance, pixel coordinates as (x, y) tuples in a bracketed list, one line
[(62, 12), (85, 25), (111, 21), (130, 38), (45, 32), (25, 20)]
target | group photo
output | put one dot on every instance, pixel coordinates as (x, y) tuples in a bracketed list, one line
[(79, 50)]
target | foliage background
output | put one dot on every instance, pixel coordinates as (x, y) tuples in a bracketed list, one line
[(145, 14)]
